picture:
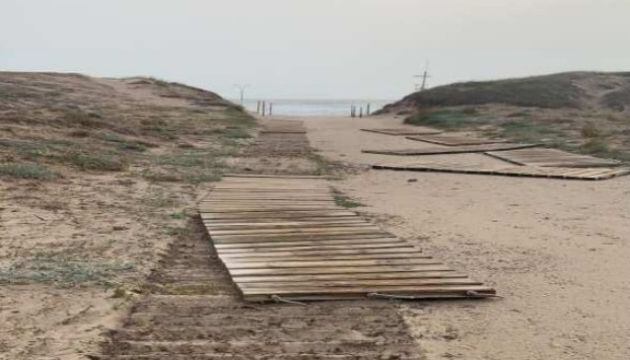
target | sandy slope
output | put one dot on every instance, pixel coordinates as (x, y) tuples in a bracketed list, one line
[(556, 250)]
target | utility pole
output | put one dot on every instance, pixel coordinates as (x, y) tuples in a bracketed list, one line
[(425, 75), (241, 88)]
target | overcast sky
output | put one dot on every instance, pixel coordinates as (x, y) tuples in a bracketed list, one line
[(314, 48)]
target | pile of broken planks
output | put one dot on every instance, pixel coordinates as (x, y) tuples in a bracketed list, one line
[(284, 238)]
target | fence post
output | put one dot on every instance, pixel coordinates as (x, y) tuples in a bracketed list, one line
[(367, 111)]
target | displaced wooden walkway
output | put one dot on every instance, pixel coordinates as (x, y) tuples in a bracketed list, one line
[(454, 140), (599, 173), (439, 150), (285, 238), (546, 157), (418, 130)]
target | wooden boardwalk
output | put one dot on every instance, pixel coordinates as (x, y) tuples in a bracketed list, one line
[(418, 130), (439, 150), (454, 140), (551, 158), (280, 138), (599, 173), (285, 238)]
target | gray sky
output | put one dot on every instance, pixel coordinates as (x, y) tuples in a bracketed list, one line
[(314, 48)]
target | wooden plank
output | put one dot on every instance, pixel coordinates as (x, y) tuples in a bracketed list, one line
[(430, 274), (231, 239), (253, 259), (454, 140), (451, 150), (272, 221), (337, 270), (257, 254), (404, 131), (271, 224), (546, 157), (405, 289), (257, 226), (306, 229), (236, 264), (241, 209), (307, 245), (287, 286), (275, 215), (523, 171)]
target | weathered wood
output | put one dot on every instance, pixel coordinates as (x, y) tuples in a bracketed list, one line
[(451, 150), (286, 236), (307, 229), (287, 286), (454, 140), (308, 245), (237, 264), (357, 235), (253, 259), (257, 254), (337, 270), (387, 276), (406, 289), (522, 171), (405, 131), (546, 157)]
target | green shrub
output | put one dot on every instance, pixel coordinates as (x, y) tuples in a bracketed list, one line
[(444, 119), (96, 162), (595, 146), (26, 171), (589, 130)]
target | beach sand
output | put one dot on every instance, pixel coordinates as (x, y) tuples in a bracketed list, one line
[(556, 250)]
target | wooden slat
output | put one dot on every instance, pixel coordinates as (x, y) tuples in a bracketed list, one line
[(306, 229), (337, 270), (274, 215), (314, 238), (308, 245), (404, 131), (522, 171), (339, 252), (237, 264), (454, 140), (287, 286), (406, 289), (451, 149), (551, 158), (388, 276), (253, 259)]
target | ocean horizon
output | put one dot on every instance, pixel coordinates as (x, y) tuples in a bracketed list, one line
[(316, 107)]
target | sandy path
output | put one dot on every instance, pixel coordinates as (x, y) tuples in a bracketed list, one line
[(556, 250)]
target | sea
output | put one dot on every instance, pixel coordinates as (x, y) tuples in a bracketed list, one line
[(309, 107)]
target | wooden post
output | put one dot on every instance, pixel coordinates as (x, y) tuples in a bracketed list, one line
[(367, 111), (270, 108), (361, 112), (264, 105)]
